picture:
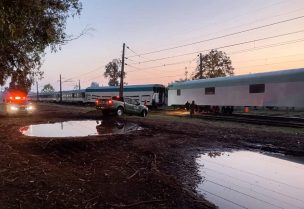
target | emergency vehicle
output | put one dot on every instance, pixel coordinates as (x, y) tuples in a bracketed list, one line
[(13, 101)]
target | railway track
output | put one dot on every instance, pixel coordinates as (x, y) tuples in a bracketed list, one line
[(256, 119)]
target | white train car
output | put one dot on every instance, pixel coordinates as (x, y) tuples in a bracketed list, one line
[(149, 93), (42, 96), (45, 96), (72, 96), (272, 89)]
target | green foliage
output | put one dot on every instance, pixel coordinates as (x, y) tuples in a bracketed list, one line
[(48, 88), (112, 71), (27, 27), (214, 64)]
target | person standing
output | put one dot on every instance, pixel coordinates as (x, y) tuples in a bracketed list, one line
[(187, 106), (192, 108)]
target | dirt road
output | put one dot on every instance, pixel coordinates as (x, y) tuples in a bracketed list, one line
[(151, 168)]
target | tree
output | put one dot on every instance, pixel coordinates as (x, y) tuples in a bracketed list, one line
[(94, 84), (27, 27), (214, 64), (48, 88), (112, 71)]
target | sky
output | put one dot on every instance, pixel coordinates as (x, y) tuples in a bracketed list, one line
[(147, 26)]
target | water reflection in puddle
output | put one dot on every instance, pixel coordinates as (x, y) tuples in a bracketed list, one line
[(79, 128), (246, 179)]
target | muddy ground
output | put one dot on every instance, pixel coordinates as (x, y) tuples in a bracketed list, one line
[(151, 168)]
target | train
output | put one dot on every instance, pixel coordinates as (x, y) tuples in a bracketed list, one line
[(148, 94), (276, 89)]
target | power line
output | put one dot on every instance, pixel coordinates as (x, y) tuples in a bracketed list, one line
[(237, 26), (223, 198), (268, 46), (256, 20), (132, 51), (158, 66), (169, 76), (95, 69), (242, 187), (268, 58), (250, 183), (223, 36), (242, 51), (92, 78), (176, 75), (243, 193), (127, 58), (140, 56), (254, 174), (221, 47), (274, 63), (237, 68)]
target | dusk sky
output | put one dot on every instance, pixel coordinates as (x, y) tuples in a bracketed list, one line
[(147, 26)]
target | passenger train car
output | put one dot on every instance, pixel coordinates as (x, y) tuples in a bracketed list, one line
[(72, 96), (272, 89), (149, 94), (44, 96)]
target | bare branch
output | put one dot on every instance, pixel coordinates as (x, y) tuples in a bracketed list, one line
[(85, 31)]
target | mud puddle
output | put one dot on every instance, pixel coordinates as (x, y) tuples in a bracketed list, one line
[(79, 128), (245, 179)]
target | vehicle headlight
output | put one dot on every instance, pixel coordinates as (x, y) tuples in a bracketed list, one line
[(14, 108), (30, 107)]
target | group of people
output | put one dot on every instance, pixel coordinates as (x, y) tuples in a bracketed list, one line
[(190, 107)]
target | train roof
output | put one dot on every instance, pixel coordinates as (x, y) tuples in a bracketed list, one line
[(72, 91), (145, 87), (291, 75)]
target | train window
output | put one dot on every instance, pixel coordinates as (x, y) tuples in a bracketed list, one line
[(210, 90), (256, 88), (178, 92)]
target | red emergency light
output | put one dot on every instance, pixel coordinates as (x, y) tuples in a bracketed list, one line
[(17, 98), (15, 95)]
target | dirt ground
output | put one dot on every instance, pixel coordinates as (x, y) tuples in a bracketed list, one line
[(151, 168)]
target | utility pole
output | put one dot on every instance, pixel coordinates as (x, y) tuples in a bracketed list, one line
[(201, 66), (37, 91), (79, 84), (122, 70), (60, 94)]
